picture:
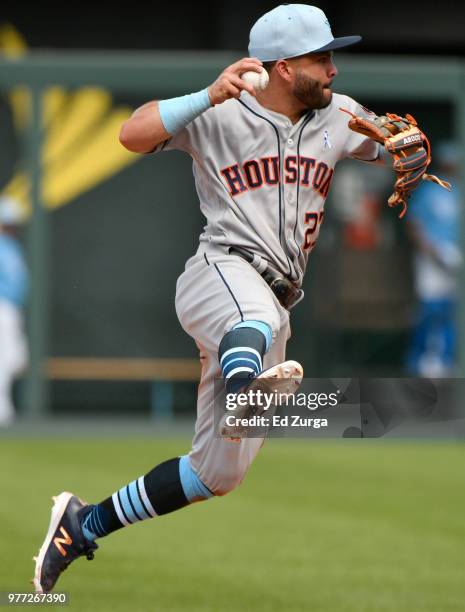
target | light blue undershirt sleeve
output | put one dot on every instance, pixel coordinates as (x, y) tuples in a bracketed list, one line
[(176, 113)]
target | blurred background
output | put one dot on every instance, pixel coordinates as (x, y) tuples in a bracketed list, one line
[(111, 230), (98, 380)]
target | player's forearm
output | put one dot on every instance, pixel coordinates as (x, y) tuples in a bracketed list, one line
[(144, 130), (155, 122)]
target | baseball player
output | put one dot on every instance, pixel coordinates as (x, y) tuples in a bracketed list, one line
[(14, 281), (263, 162)]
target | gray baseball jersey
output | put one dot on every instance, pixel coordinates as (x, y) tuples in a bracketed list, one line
[(262, 181)]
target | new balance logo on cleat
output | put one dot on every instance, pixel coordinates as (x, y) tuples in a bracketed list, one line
[(63, 543), (66, 539)]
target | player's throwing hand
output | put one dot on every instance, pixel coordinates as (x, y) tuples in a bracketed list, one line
[(229, 84)]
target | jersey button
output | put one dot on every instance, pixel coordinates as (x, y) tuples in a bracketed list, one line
[(290, 141)]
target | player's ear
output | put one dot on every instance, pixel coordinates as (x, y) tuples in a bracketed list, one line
[(284, 69)]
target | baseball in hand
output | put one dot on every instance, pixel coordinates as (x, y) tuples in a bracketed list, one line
[(258, 80)]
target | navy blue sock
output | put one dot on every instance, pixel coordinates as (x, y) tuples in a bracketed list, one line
[(158, 492), (240, 355)]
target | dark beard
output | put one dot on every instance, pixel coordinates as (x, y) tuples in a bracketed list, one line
[(310, 92)]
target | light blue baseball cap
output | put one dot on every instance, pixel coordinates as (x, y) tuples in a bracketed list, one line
[(290, 30)]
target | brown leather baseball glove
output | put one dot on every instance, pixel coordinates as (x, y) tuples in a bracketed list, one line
[(409, 148)]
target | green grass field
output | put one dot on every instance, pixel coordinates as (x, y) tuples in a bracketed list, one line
[(355, 525)]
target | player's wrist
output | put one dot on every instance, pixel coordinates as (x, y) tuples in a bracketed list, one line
[(176, 113), (210, 96)]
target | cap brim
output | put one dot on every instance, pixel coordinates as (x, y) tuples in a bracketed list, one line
[(339, 43)]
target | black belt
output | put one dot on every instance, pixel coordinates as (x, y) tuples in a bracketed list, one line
[(285, 291)]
